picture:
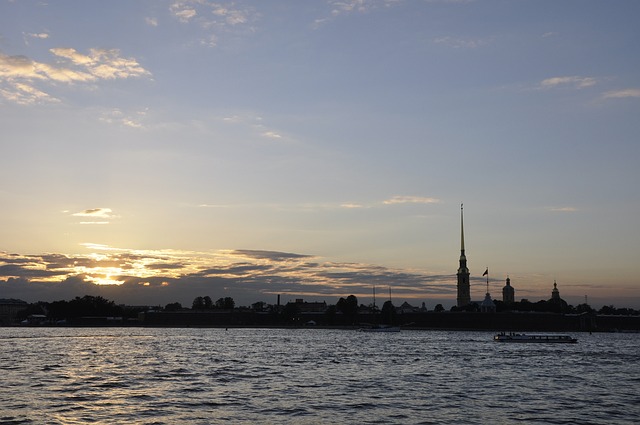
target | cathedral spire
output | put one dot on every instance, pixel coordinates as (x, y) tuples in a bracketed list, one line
[(462, 228), (464, 295)]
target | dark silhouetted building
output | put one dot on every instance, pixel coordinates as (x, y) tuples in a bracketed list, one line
[(487, 305), (508, 293), (464, 289), (9, 309), (555, 294)]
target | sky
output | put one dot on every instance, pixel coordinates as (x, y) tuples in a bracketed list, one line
[(154, 151)]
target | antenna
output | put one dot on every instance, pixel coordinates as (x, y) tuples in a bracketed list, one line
[(374, 297)]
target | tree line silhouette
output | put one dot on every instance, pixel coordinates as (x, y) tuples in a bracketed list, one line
[(97, 306)]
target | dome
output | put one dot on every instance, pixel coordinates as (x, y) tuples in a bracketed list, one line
[(487, 304), (508, 285)]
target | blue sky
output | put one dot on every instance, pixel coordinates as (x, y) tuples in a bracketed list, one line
[(212, 137)]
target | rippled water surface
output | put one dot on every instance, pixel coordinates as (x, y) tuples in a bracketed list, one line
[(309, 376)]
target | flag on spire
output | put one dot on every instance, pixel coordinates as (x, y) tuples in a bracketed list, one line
[(486, 272)]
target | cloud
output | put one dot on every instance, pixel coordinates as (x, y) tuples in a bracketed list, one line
[(459, 43), (212, 17), (411, 200), (563, 209), (160, 277), (101, 216), (339, 7), (183, 13), (572, 81), (19, 75), (254, 124), (153, 22), (103, 63), (230, 16), (620, 94), (213, 206), (24, 94), (271, 135), (117, 116), (95, 212), (37, 36), (41, 35), (270, 255), (351, 206), (348, 7)]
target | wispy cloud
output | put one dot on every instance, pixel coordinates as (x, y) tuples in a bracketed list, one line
[(20, 75), (411, 200), (256, 125), (348, 7), (267, 255), (355, 6), (461, 43), (95, 212), (104, 64), (131, 119), (562, 209), (34, 36), (25, 94), (620, 94), (183, 10), (99, 216), (213, 17), (575, 81), (352, 206), (306, 207), (230, 14), (271, 135)]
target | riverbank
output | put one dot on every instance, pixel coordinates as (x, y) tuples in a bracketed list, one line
[(463, 321)]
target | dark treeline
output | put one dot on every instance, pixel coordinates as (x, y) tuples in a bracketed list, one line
[(548, 306), (346, 311), (86, 306)]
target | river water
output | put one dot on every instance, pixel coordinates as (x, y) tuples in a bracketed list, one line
[(312, 376)]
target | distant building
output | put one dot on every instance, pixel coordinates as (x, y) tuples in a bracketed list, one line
[(464, 289), (555, 294), (557, 304), (487, 305), (407, 308), (310, 307), (508, 293), (9, 309)]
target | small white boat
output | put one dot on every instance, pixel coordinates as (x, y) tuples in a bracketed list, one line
[(380, 328), (533, 338)]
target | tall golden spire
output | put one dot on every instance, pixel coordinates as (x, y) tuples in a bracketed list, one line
[(462, 228), (464, 295)]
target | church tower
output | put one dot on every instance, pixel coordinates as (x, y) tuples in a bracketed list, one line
[(508, 293), (555, 294), (464, 291)]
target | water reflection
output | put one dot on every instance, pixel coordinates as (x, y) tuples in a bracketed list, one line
[(312, 376)]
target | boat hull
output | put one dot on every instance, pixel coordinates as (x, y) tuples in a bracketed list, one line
[(381, 329), (535, 339)]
